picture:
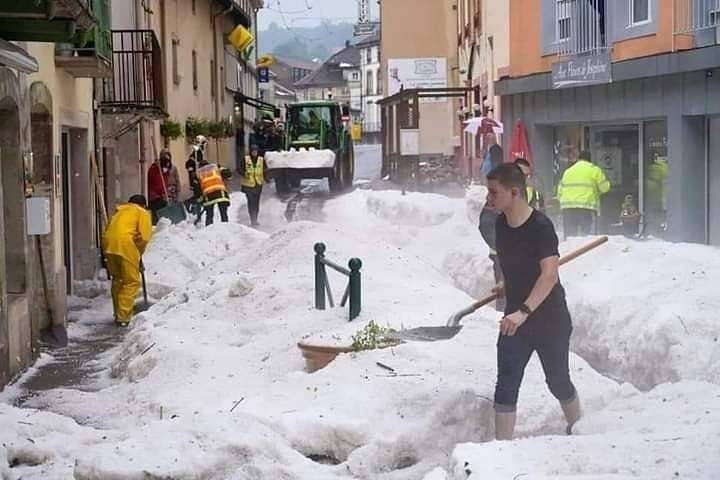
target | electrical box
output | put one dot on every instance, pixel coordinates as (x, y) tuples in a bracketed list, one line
[(37, 210)]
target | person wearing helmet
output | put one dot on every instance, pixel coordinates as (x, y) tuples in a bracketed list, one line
[(211, 178)]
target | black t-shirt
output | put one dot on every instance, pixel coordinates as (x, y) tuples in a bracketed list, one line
[(520, 251)]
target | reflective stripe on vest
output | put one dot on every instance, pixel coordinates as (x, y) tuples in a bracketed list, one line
[(210, 179), (254, 174)]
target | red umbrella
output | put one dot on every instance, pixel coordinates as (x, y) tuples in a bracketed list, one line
[(519, 145)]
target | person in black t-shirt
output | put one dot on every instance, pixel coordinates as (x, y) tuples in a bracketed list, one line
[(536, 314)]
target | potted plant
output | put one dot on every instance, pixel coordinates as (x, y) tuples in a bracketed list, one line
[(170, 130)]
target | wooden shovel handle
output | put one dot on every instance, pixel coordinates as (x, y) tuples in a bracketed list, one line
[(563, 260)]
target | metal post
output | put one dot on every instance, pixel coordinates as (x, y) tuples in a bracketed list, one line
[(355, 265), (319, 276)]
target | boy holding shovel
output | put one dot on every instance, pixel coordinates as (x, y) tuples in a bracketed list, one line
[(536, 314)]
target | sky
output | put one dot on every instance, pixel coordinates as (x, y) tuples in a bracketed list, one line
[(306, 13)]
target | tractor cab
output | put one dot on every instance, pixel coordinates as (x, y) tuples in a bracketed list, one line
[(314, 125)]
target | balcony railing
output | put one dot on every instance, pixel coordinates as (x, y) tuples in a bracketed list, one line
[(88, 55), (137, 79), (699, 17), (580, 27)]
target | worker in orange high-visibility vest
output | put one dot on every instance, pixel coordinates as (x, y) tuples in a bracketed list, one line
[(212, 183)]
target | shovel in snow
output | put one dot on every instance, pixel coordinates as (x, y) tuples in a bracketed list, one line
[(432, 334)]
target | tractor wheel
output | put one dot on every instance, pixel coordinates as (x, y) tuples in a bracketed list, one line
[(336, 178), (349, 167), (281, 184)]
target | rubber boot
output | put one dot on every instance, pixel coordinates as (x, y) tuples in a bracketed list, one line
[(504, 425), (572, 412)]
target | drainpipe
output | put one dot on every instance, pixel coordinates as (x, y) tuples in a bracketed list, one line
[(142, 160), (215, 18)]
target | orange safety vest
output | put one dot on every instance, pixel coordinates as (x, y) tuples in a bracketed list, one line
[(210, 180)]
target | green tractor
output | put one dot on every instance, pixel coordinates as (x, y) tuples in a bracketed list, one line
[(316, 144)]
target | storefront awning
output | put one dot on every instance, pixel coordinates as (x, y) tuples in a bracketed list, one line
[(15, 57)]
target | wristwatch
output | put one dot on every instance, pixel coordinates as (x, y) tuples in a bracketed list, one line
[(525, 309)]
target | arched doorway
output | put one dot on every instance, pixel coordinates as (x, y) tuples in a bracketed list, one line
[(13, 275), (41, 132)]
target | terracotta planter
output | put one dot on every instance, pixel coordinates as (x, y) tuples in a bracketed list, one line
[(319, 356)]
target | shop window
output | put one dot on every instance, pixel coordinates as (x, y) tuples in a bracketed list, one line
[(656, 170)]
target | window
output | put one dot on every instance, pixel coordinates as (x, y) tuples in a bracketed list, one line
[(369, 55), (194, 70), (213, 80), (378, 83), (639, 11), (369, 83), (714, 13), (175, 65), (563, 10), (355, 76)]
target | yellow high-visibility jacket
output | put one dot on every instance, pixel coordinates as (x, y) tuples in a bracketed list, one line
[(581, 186), (128, 232), (254, 173)]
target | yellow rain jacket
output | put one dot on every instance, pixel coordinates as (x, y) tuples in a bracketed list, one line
[(128, 233), (124, 242), (581, 186)]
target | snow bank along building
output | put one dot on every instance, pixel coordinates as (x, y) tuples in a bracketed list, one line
[(635, 82)]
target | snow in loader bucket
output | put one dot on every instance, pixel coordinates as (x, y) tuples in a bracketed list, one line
[(299, 159)]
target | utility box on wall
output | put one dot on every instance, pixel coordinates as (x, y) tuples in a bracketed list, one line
[(37, 211)]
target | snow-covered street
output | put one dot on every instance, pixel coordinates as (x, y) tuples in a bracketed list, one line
[(210, 384)]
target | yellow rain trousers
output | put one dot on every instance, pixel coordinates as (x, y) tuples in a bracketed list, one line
[(124, 242)]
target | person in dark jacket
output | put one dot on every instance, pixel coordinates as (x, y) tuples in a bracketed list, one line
[(157, 189)]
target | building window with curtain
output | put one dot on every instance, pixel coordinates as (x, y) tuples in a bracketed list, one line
[(639, 11)]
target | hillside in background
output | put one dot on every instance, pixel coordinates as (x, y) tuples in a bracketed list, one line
[(306, 43)]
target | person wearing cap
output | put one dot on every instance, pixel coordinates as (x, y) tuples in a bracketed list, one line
[(254, 175), (124, 242)]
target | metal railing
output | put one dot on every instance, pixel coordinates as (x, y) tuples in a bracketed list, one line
[(137, 79), (322, 285), (696, 15), (580, 27)]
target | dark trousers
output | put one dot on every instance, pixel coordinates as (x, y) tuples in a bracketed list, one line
[(156, 205), (513, 354), (210, 213), (253, 202), (577, 221)]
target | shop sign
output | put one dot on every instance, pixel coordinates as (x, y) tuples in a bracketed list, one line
[(582, 70)]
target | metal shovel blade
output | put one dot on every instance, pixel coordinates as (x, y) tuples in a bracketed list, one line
[(425, 334)]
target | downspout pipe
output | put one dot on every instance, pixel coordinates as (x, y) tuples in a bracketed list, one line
[(216, 59)]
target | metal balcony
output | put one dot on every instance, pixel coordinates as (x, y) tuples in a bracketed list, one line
[(136, 84), (88, 56), (580, 27), (699, 18)]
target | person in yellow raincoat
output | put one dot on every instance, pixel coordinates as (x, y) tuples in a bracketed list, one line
[(124, 242)]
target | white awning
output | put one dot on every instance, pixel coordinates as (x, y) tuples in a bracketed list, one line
[(15, 57)]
